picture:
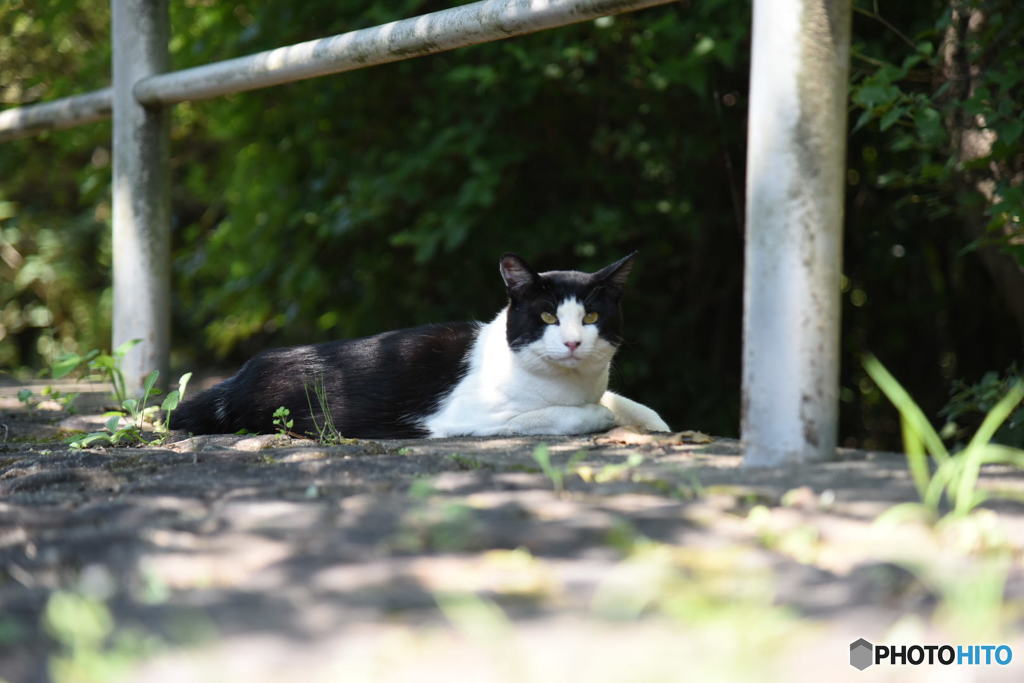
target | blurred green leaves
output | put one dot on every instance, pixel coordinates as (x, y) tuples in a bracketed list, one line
[(952, 109), (380, 198)]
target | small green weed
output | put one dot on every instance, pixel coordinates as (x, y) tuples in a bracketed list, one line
[(98, 366), (713, 593), (174, 398), (437, 524), (125, 423), (422, 488), (326, 432), (92, 647), (91, 644), (66, 400), (125, 426), (691, 489), (614, 472), (479, 618), (542, 454), (27, 399), (468, 462), (955, 476), (283, 421)]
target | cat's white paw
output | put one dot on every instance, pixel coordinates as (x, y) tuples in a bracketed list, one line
[(584, 419), (650, 420), (652, 423), (594, 418), (632, 414)]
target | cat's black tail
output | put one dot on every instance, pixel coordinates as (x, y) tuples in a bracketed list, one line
[(205, 413)]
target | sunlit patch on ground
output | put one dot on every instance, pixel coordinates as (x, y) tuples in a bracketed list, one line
[(612, 558)]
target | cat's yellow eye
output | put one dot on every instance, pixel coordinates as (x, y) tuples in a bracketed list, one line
[(549, 318), (590, 318)]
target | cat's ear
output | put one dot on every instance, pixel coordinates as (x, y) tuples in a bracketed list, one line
[(516, 273), (614, 276)]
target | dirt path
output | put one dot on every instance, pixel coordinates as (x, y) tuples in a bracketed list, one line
[(266, 559)]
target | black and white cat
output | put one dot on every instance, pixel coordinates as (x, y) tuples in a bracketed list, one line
[(540, 367)]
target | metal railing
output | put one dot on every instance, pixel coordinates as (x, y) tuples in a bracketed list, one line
[(472, 24), (57, 115), (794, 180)]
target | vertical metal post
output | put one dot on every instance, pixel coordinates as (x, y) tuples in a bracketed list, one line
[(796, 153), (141, 204)]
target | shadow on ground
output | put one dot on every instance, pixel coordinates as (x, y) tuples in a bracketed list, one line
[(266, 558)]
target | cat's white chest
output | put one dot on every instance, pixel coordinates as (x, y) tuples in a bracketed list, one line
[(499, 387)]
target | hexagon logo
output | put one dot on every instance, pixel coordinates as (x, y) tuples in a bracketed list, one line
[(861, 654)]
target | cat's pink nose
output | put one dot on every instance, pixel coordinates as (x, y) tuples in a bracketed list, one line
[(572, 345)]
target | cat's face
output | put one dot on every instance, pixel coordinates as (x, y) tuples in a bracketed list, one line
[(564, 318)]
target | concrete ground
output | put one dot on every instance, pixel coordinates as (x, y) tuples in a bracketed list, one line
[(634, 558)]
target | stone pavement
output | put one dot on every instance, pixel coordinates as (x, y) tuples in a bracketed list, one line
[(635, 558)]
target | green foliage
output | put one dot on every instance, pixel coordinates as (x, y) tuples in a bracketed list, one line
[(25, 397), (479, 619), (954, 476), (124, 426), (92, 646), (435, 522), (381, 198), (928, 184), (326, 432), (618, 471), (283, 421), (468, 462), (125, 423), (97, 366), (970, 402), (556, 473), (77, 620), (65, 399), (55, 187), (959, 129), (174, 398)]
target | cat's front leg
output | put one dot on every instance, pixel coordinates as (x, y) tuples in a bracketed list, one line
[(632, 414), (584, 419)]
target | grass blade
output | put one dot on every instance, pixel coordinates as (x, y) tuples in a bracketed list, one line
[(543, 457), (974, 454), (907, 408), (997, 454), (997, 416), (917, 460)]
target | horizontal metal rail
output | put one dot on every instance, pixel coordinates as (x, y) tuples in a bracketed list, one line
[(794, 219), (462, 26), (67, 112), (479, 22)]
